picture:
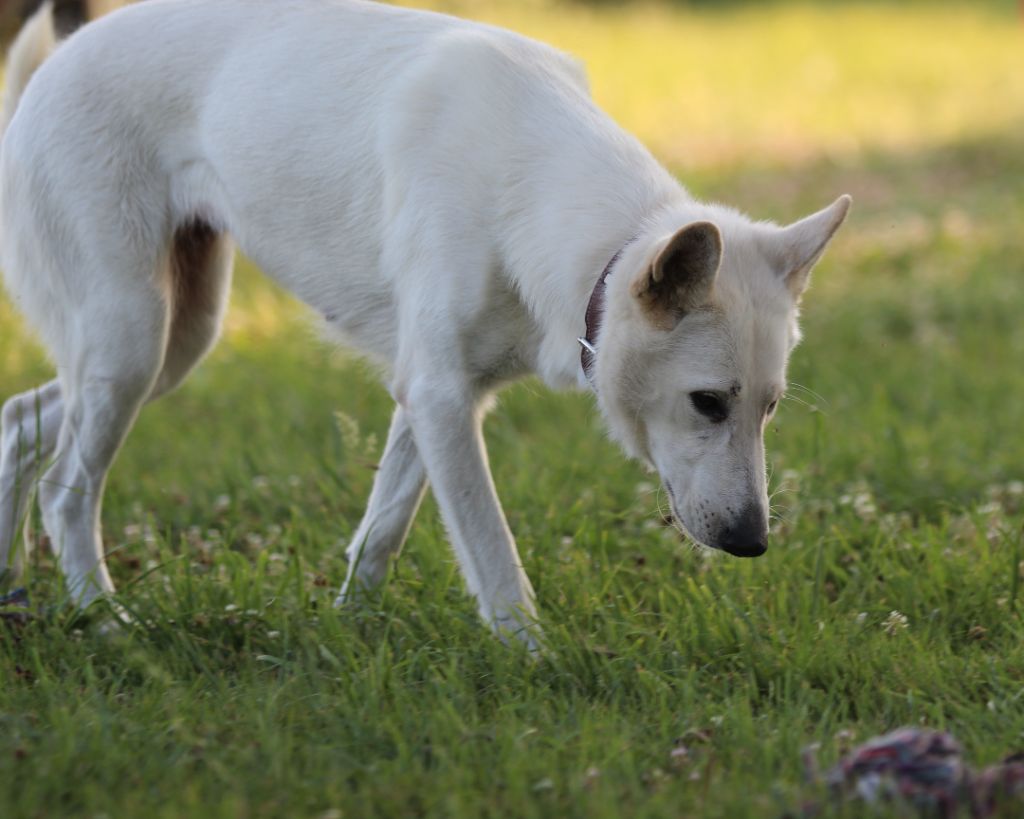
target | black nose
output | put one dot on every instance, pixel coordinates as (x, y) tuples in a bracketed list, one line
[(747, 535)]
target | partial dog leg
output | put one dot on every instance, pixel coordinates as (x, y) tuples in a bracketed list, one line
[(200, 275), (447, 424), (118, 365), (31, 422), (396, 495), (112, 370)]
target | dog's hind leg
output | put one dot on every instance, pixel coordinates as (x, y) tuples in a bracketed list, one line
[(200, 274), (396, 495), (139, 348), (30, 424), (111, 373)]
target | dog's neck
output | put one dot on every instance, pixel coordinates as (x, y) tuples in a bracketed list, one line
[(567, 291), (569, 206)]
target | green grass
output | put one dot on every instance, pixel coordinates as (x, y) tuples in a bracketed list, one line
[(899, 456)]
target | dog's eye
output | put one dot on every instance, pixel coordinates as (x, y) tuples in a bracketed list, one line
[(710, 405)]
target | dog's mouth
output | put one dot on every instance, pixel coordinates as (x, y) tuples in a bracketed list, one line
[(675, 520), (730, 546)]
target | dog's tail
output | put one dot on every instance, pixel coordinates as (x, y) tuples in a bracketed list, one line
[(36, 41)]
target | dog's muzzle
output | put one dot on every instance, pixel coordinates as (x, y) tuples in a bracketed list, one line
[(747, 536)]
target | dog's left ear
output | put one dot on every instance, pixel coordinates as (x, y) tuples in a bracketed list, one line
[(681, 276), (794, 250)]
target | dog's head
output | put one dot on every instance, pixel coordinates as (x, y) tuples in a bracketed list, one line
[(698, 327)]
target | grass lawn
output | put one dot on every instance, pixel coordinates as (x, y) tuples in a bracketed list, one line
[(897, 465)]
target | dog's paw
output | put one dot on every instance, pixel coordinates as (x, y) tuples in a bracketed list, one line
[(364, 578), (353, 591), (514, 627), (105, 616)]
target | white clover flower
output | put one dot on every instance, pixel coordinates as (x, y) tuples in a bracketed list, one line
[(864, 506), (895, 623)]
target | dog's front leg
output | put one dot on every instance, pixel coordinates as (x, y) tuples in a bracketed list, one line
[(447, 424), (396, 495)]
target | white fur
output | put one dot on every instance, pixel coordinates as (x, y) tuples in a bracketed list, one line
[(444, 193)]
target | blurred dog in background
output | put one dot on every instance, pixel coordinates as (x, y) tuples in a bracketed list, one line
[(67, 15)]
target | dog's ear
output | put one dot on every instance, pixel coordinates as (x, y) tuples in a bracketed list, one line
[(794, 250), (681, 276)]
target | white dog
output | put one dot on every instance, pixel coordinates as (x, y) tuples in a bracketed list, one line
[(446, 194)]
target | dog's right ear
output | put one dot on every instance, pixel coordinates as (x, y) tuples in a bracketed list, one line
[(797, 248), (681, 276)]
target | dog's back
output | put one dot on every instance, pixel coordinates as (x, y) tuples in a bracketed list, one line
[(261, 117)]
